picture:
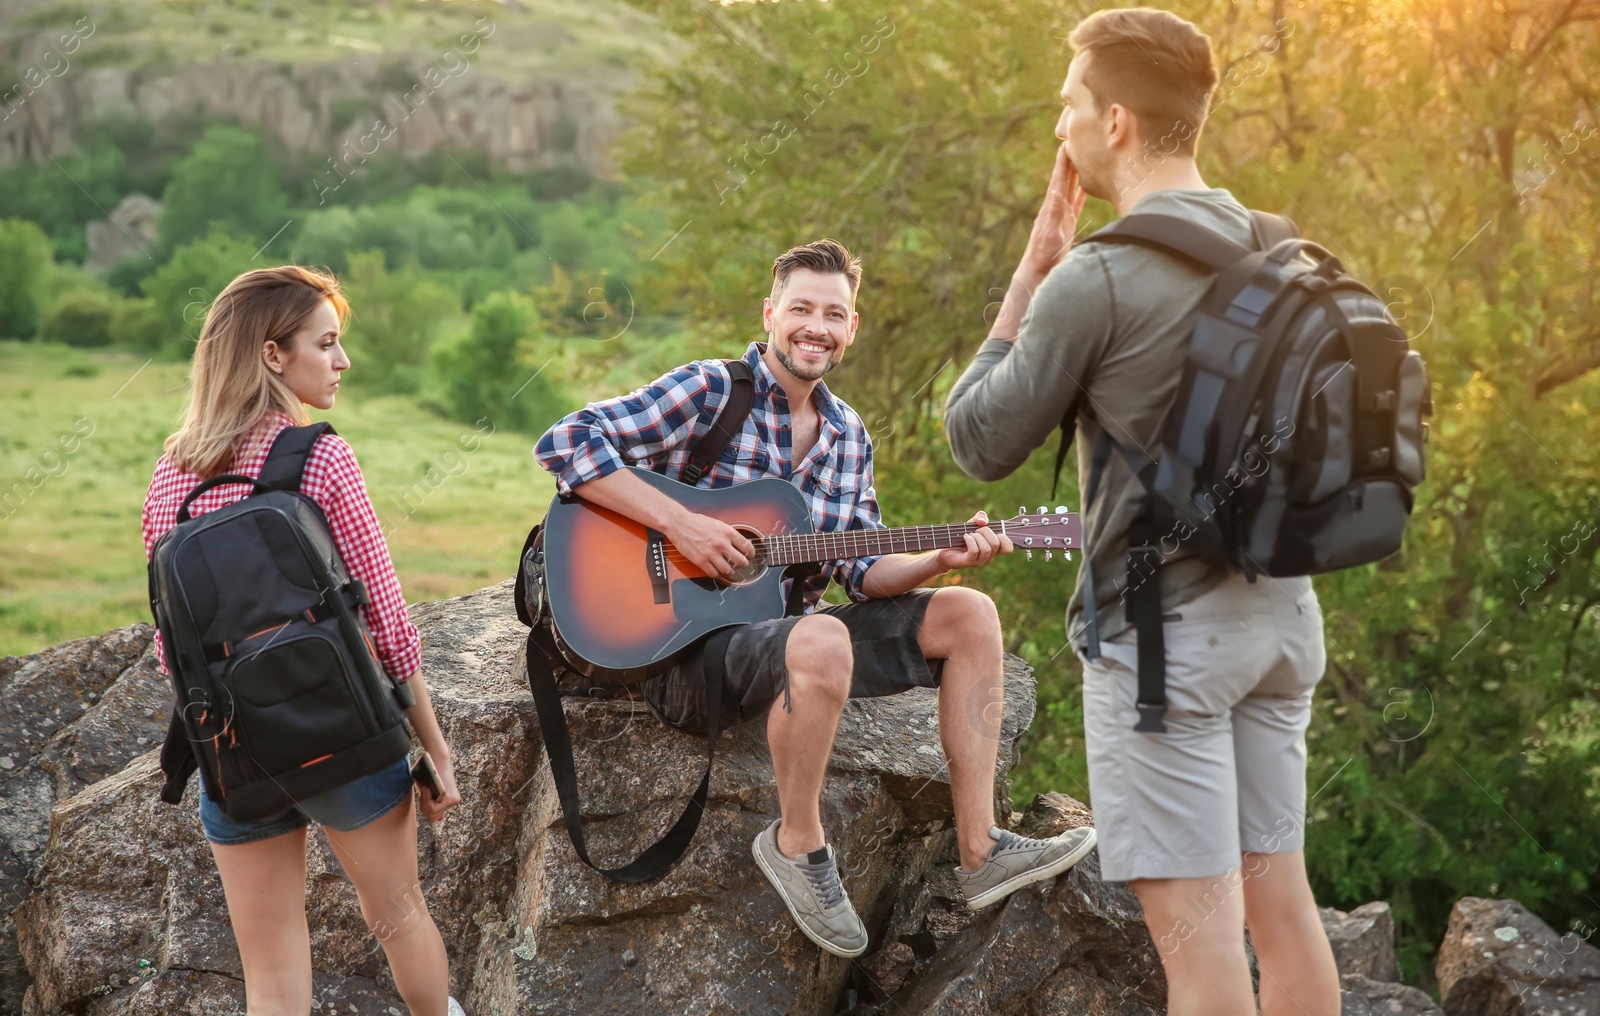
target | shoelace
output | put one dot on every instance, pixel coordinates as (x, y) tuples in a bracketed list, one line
[(824, 879), (1011, 841)]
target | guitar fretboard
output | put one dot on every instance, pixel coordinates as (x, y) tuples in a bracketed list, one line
[(805, 548)]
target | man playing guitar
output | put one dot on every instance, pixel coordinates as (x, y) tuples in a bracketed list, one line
[(892, 636)]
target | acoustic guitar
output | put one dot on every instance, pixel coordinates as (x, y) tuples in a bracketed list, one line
[(626, 604)]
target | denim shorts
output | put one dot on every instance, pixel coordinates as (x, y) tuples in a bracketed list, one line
[(343, 809)]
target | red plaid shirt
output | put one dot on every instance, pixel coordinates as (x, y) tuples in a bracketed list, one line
[(333, 480)]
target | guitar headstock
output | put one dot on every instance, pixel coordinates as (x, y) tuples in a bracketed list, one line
[(1049, 531)]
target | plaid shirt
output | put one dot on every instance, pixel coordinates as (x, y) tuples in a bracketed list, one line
[(655, 426), (333, 480)]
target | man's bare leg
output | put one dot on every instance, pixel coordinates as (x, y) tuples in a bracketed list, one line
[(962, 627), (819, 660), (1298, 973), (1197, 925)]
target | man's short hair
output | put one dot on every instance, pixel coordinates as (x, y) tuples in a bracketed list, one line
[(1154, 63), (826, 256)]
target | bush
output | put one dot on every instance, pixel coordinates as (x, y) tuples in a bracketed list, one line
[(25, 253), (395, 318), (80, 318), (486, 376)]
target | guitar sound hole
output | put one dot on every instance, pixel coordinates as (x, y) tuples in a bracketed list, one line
[(756, 565)]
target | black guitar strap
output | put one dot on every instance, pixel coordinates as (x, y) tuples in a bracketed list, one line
[(545, 660)]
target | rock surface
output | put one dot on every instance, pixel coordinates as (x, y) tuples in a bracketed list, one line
[(69, 716), (1497, 959), (119, 911), (1363, 940), (1362, 996), (130, 228), (525, 93), (124, 878), (1075, 946)]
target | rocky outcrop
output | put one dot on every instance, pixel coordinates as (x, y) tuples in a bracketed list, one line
[(118, 909), (1363, 940), (523, 90), (69, 717), (1076, 945), (1497, 959), (126, 914), (127, 232)]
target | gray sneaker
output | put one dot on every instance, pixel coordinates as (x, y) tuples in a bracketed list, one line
[(1015, 861), (812, 891)]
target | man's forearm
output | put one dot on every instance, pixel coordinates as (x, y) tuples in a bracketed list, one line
[(1019, 295), (894, 574), (626, 494)]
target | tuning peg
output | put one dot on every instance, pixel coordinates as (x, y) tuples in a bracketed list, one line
[(1061, 509), (1022, 510), (1043, 510), (1067, 554), (1047, 555), (1030, 555)]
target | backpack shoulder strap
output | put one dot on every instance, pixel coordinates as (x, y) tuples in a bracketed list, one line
[(286, 461), (543, 659), (1271, 230), (1172, 235), (740, 398)]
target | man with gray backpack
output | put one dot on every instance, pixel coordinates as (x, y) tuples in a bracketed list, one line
[(1247, 416)]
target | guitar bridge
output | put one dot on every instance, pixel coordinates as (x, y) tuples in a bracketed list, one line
[(655, 561)]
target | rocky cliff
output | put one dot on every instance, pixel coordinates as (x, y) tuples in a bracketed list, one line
[(528, 88), (114, 906)]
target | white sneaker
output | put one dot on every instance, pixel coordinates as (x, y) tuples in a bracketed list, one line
[(455, 1009)]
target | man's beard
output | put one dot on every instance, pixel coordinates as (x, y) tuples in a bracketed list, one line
[(787, 359)]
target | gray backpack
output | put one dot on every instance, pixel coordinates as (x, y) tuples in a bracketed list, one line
[(1295, 442)]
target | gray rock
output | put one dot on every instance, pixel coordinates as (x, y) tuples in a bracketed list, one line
[(1497, 959), (1077, 945), (130, 231), (1362, 996), (69, 716), (126, 878), (1363, 940)]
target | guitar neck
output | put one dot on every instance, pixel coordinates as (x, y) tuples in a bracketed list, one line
[(808, 548)]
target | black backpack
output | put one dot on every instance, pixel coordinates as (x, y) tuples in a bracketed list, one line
[(1295, 442), (279, 692)]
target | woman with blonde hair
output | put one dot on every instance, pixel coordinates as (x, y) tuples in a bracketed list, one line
[(270, 346)]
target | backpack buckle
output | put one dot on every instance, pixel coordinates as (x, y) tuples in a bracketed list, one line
[(692, 473), (1150, 718)]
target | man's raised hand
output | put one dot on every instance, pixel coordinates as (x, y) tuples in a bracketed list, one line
[(1056, 223)]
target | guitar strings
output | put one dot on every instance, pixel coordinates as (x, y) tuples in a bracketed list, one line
[(844, 545)]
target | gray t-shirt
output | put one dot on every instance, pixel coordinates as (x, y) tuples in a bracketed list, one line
[(1105, 337)]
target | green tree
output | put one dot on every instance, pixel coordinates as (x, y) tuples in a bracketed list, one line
[(25, 253), (226, 183), (183, 288), (489, 374), (395, 319), (1445, 154)]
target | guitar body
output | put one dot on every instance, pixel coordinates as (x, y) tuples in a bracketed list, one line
[(626, 607)]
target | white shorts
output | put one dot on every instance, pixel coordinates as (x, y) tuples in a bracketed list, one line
[(1230, 773)]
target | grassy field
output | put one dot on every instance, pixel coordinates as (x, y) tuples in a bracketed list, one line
[(84, 430)]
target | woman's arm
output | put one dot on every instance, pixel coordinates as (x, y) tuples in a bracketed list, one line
[(426, 725)]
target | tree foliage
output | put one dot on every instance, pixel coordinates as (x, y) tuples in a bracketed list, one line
[(1444, 152)]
